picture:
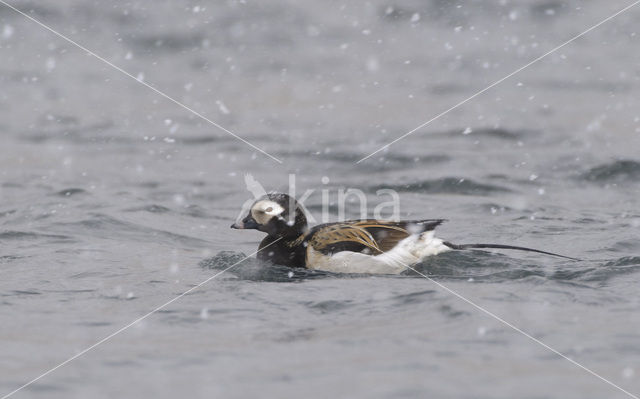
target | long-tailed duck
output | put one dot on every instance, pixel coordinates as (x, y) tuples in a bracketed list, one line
[(354, 246)]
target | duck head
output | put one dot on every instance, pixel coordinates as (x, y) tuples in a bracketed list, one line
[(276, 214)]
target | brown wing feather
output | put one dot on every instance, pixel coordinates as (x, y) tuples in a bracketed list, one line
[(376, 235), (391, 238), (338, 233), (387, 234)]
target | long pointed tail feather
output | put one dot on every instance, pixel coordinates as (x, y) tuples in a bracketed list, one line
[(500, 246)]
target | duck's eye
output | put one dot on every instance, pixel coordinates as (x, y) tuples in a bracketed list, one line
[(269, 209)]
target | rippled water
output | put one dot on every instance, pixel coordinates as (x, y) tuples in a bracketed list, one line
[(114, 200)]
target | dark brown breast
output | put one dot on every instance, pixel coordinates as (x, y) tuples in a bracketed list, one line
[(283, 252)]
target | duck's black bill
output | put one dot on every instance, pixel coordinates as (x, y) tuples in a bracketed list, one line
[(246, 223)]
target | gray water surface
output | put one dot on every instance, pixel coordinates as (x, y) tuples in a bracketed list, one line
[(114, 200)]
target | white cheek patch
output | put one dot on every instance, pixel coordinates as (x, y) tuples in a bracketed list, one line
[(272, 208), (263, 211)]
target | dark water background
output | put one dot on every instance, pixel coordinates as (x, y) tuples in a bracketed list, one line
[(114, 200)]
